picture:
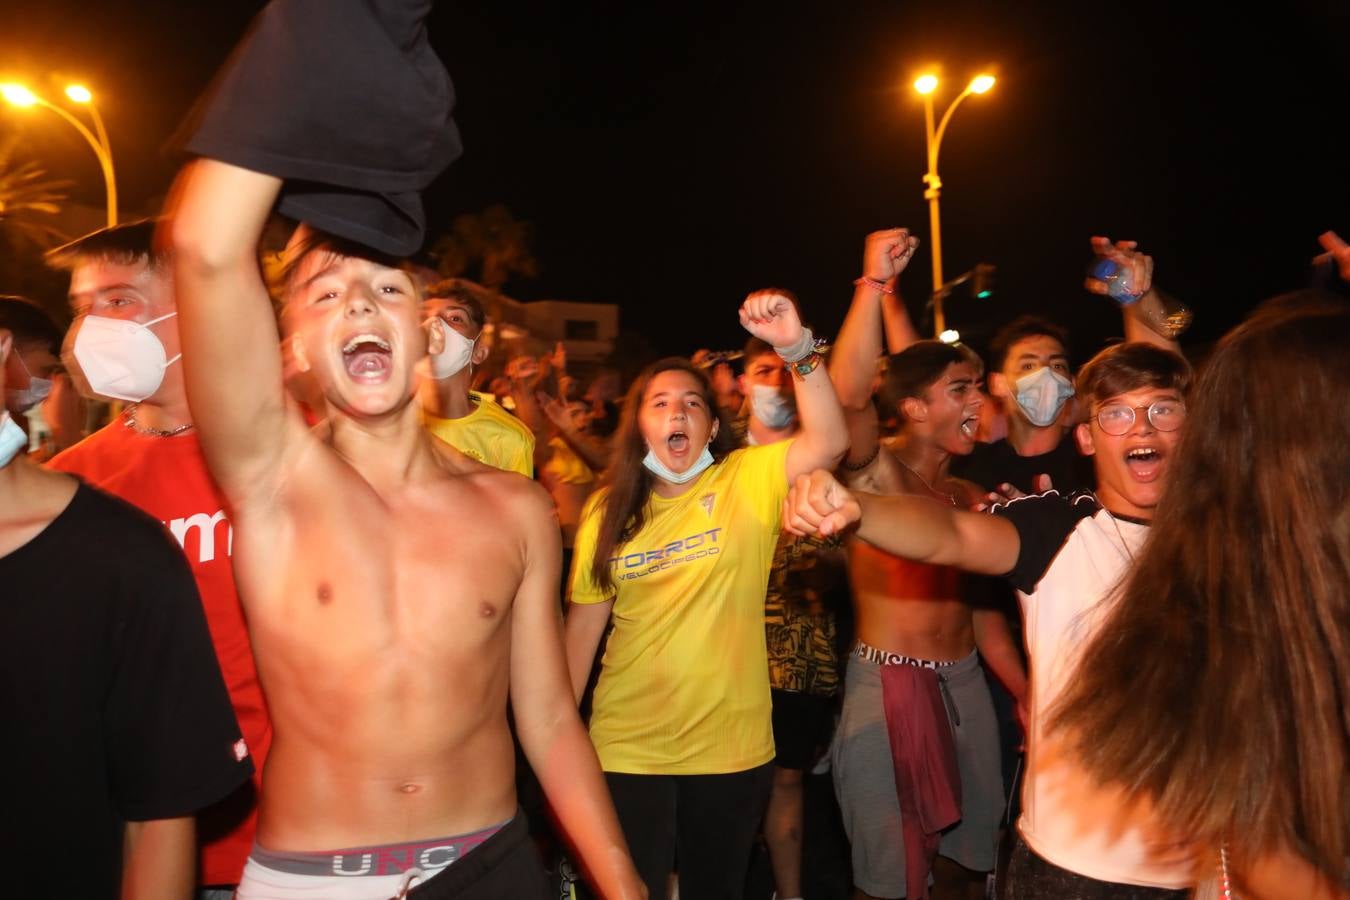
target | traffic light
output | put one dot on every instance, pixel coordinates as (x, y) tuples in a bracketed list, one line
[(982, 281)]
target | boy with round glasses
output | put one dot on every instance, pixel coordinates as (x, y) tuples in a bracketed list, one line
[(1065, 555)]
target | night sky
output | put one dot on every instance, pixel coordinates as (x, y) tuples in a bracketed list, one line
[(671, 158)]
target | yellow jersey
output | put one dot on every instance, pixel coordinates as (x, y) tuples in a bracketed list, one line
[(489, 434), (684, 684), (565, 466)]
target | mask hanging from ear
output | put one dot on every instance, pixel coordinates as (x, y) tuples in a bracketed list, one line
[(662, 471)]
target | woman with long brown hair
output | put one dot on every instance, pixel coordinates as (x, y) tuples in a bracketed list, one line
[(674, 551), (1220, 685)]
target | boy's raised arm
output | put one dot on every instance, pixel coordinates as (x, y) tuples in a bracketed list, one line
[(231, 355)]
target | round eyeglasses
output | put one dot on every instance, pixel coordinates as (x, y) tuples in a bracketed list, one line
[(1164, 415)]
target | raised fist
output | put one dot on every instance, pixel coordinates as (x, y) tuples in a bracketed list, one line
[(771, 316), (887, 253)]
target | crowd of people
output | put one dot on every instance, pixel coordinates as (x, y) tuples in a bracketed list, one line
[(321, 611)]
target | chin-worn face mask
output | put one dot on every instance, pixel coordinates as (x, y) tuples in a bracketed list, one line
[(1042, 394), (24, 399), (456, 354), (12, 438), (661, 470), (121, 359), (770, 406)]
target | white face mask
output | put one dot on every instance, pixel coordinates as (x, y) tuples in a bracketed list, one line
[(12, 438), (1042, 394), (771, 407), (457, 353), (662, 471), (24, 399), (121, 359)]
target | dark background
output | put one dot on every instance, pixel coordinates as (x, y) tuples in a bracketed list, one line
[(670, 158)]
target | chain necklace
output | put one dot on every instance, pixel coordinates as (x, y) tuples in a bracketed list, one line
[(948, 497), (1115, 523), (129, 421), (1226, 891)]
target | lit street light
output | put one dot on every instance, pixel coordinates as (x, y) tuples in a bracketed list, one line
[(18, 95), (926, 85)]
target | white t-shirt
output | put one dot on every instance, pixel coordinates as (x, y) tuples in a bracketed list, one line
[(1073, 556)]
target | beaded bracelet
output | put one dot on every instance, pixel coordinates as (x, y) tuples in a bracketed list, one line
[(875, 285), (805, 366), (862, 464)]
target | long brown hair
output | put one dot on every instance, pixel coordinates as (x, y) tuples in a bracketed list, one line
[(626, 484), (1220, 683)]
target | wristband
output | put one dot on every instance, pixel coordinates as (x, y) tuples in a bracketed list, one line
[(875, 285), (805, 366), (804, 347), (1172, 323), (864, 463)]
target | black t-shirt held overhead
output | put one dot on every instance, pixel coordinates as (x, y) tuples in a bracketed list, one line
[(990, 465), (347, 101), (113, 705)]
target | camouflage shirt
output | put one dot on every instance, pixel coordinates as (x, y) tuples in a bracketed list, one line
[(799, 621)]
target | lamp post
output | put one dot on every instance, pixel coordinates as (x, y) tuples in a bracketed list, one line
[(18, 95), (926, 85)]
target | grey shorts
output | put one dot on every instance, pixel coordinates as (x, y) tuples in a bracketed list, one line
[(864, 776)]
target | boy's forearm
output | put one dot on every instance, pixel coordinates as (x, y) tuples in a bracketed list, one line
[(570, 775), (853, 358), (159, 859)]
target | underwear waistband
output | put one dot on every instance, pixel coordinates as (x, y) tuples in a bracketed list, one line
[(879, 657), (389, 859)]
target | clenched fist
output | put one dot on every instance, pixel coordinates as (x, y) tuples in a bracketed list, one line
[(887, 253), (771, 315)]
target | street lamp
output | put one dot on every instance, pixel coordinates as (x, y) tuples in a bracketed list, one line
[(926, 85), (18, 95)]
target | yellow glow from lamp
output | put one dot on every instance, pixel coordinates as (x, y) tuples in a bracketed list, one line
[(18, 95), (926, 84), (79, 93), (981, 83), (950, 336)]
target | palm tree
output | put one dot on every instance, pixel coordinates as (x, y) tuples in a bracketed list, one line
[(27, 200), (494, 241)]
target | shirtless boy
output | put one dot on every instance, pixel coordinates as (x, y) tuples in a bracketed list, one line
[(389, 632), (914, 669)]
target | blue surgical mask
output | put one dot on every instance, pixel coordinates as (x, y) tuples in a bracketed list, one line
[(770, 406), (1042, 394), (24, 399), (12, 438), (660, 470)]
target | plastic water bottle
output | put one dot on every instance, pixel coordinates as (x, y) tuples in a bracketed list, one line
[(1120, 285)]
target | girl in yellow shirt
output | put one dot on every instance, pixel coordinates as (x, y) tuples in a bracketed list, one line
[(674, 552)]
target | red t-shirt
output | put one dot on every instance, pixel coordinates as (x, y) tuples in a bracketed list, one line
[(167, 477)]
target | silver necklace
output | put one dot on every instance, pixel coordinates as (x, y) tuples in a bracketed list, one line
[(1116, 525), (950, 498), (130, 422), (1225, 880)]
